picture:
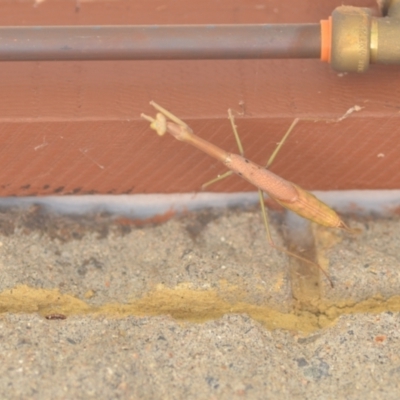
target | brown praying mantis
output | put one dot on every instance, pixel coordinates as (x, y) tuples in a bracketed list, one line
[(288, 194)]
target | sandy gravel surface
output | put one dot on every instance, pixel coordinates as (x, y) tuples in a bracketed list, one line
[(199, 307)]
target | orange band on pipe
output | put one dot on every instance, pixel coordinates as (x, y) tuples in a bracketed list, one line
[(326, 39)]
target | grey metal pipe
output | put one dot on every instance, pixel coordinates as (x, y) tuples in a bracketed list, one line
[(158, 42)]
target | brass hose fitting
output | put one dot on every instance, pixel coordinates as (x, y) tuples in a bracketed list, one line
[(352, 38)]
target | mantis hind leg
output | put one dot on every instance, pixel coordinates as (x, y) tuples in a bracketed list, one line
[(265, 215), (283, 250)]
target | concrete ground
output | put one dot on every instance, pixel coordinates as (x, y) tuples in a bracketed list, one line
[(199, 307)]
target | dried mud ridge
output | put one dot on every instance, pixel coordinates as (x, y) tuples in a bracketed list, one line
[(185, 304)]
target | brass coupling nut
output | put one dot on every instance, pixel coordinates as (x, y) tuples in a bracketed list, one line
[(351, 38)]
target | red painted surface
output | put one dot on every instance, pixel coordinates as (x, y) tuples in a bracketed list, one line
[(74, 127)]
